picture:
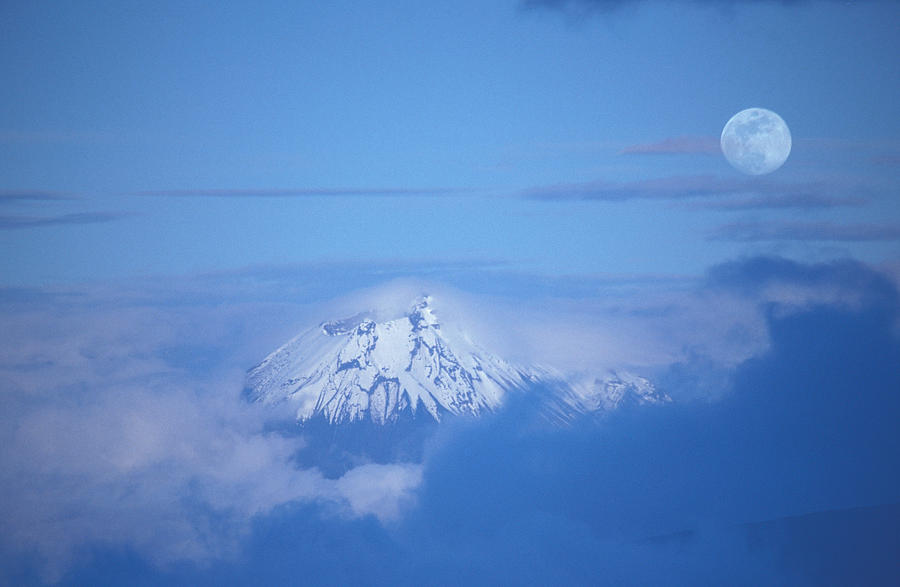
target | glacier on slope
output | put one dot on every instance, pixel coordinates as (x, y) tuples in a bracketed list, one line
[(357, 369)]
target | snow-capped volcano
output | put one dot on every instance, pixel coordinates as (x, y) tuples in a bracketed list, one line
[(358, 369)]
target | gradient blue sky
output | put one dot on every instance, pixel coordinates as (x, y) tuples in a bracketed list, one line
[(186, 185), (183, 137)]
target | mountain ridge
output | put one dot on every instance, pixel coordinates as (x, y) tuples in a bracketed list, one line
[(357, 369)]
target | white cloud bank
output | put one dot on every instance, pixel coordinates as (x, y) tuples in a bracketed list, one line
[(104, 443), (121, 424)]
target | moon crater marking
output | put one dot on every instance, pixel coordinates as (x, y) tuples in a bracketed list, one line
[(756, 141)]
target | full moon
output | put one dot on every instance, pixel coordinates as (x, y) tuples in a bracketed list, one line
[(756, 141)]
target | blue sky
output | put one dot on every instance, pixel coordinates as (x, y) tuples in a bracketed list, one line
[(440, 120), (184, 186)]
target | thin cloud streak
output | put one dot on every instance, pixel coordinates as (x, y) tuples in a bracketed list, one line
[(588, 7), (805, 231), (23, 222), (663, 188), (774, 202), (33, 196), (298, 192), (758, 193), (675, 146)]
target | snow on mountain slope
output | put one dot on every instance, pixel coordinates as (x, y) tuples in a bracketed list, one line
[(616, 390), (358, 369)]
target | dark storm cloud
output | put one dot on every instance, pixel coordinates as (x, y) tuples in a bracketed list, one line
[(805, 231), (707, 192), (23, 222)]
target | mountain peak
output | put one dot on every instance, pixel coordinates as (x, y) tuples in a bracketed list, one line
[(422, 315), (361, 369), (344, 326)]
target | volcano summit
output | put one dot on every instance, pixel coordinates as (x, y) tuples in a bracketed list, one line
[(357, 369)]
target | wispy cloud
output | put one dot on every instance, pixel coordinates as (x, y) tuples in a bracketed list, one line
[(720, 193), (662, 188), (791, 285), (805, 231), (298, 192), (774, 202), (675, 146), (121, 424), (587, 7), (23, 222), (33, 195)]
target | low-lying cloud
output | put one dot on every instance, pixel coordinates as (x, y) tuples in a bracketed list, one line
[(112, 438), (122, 432), (783, 480)]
